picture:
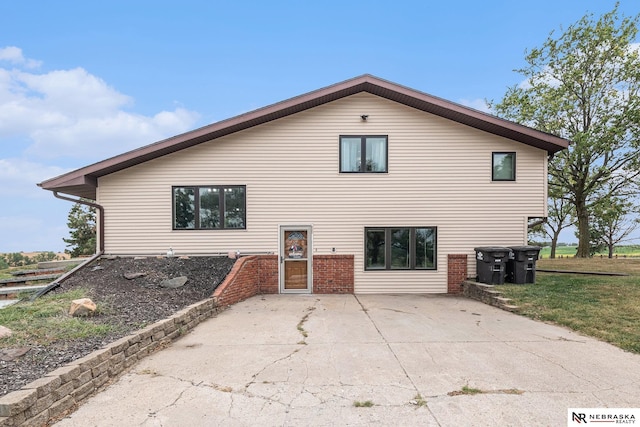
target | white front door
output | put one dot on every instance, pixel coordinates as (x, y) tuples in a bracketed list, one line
[(295, 259)]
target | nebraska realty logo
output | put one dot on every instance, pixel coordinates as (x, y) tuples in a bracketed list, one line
[(582, 416)]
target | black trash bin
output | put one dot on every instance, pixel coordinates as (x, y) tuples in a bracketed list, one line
[(521, 267), (491, 264)]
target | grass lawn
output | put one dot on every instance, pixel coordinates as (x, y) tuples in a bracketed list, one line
[(604, 307), (45, 321), (570, 251)]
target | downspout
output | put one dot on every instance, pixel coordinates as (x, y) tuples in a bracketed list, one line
[(93, 205), (60, 279)]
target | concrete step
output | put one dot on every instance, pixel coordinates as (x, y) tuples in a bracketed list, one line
[(16, 290), (25, 279), (39, 271), (63, 263)]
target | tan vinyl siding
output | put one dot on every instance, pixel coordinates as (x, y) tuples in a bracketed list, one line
[(439, 175)]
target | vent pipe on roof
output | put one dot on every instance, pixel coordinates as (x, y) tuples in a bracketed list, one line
[(93, 205)]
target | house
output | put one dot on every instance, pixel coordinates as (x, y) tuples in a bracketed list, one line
[(364, 186)]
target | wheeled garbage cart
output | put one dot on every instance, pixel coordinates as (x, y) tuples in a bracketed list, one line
[(521, 266), (491, 264)]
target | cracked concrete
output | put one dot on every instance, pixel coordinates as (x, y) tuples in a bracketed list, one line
[(249, 366)]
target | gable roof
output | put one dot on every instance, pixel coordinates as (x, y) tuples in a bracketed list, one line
[(83, 182)]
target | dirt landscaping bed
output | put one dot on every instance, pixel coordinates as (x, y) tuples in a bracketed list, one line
[(125, 305)]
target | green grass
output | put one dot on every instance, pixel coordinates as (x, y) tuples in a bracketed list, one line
[(46, 320), (604, 307), (365, 404), (570, 251)]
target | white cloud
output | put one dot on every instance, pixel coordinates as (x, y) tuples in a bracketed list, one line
[(476, 104), (19, 177), (14, 56), (74, 114)]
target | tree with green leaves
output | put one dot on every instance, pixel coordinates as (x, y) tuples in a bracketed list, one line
[(82, 229), (613, 222), (584, 86), (560, 217)]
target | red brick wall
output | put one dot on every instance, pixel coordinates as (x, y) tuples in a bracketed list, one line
[(269, 274), (333, 274), (241, 282), (258, 274), (456, 273)]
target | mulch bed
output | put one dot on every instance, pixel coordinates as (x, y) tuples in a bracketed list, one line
[(128, 304)]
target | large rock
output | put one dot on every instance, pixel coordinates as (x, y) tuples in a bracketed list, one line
[(176, 282), (82, 307), (9, 354)]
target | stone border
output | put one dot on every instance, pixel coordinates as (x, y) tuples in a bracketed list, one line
[(60, 391), (487, 294)]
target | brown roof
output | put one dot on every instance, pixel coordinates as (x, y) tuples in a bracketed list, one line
[(83, 182)]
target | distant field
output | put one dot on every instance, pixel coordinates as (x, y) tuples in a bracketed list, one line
[(570, 251), (617, 265)]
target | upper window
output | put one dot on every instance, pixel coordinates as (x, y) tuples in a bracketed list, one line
[(209, 207), (361, 154), (503, 167), (400, 248)]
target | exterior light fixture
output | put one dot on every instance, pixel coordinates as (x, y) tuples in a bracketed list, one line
[(364, 117)]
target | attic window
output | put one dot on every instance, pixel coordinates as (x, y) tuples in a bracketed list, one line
[(503, 167), (209, 207), (363, 154)]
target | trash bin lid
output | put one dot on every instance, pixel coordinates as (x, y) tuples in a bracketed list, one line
[(525, 248), (491, 249)]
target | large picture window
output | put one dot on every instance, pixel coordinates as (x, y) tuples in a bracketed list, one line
[(503, 167), (363, 154), (209, 207), (400, 248)]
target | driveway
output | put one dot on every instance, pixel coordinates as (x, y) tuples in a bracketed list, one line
[(293, 360)]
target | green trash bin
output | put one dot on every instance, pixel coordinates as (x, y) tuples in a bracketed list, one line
[(521, 266), (491, 264)]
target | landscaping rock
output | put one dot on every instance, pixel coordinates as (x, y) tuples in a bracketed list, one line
[(131, 276), (82, 307), (9, 354), (4, 332), (174, 283)]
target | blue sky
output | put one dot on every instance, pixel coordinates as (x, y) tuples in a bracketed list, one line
[(83, 81)]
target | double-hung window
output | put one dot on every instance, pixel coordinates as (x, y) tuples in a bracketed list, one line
[(363, 154), (400, 248), (503, 166), (209, 207)]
